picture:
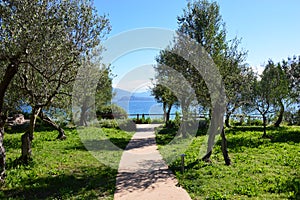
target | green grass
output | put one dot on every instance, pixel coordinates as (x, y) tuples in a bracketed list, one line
[(62, 169), (261, 168)]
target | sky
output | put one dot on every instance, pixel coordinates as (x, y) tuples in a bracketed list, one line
[(269, 29)]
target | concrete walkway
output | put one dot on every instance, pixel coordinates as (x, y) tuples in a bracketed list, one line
[(143, 174)]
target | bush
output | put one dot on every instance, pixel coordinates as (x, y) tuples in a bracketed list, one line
[(256, 122), (292, 118), (157, 121), (124, 124), (142, 120), (112, 111), (174, 124)]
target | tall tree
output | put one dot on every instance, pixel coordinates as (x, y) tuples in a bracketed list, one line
[(270, 91), (238, 91), (45, 38), (165, 96), (202, 22), (282, 93), (92, 89), (291, 67), (173, 88)]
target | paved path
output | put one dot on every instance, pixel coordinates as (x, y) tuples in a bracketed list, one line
[(143, 174)]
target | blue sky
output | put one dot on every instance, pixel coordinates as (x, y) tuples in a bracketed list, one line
[(269, 29)]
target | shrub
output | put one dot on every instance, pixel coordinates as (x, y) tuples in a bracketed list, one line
[(112, 111), (142, 120), (124, 124), (256, 122), (292, 118), (157, 121)]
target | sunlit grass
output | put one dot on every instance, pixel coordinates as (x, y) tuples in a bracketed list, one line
[(261, 168), (61, 169)]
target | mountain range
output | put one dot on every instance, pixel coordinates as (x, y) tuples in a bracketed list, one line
[(124, 95)]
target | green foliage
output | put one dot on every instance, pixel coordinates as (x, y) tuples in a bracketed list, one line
[(142, 120), (175, 124), (60, 169), (256, 122), (292, 69), (124, 124), (261, 169), (112, 111), (292, 118)]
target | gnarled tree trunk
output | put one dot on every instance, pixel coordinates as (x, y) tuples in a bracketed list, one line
[(61, 132), (82, 121), (224, 148), (264, 125), (27, 137), (10, 72), (227, 118), (280, 116), (2, 149)]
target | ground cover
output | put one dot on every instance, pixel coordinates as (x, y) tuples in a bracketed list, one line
[(261, 169), (61, 169)]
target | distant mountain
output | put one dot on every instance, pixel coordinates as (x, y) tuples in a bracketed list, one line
[(123, 95)]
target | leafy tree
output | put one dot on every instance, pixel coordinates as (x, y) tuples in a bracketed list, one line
[(282, 94), (291, 67), (173, 88), (165, 96), (202, 22), (270, 92), (93, 88), (42, 41), (239, 89)]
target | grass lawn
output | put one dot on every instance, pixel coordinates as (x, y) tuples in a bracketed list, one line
[(62, 169), (261, 168)]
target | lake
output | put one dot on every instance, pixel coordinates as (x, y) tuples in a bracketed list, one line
[(144, 107)]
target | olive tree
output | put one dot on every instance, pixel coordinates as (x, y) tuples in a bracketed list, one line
[(41, 42)]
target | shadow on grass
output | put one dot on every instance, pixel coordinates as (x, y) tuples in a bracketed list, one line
[(235, 129), (286, 136), (98, 145), (165, 136), (236, 143), (88, 183), (276, 134), (12, 143)]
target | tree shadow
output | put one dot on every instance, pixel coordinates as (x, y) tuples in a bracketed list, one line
[(149, 172), (275, 134), (165, 135), (101, 144), (286, 136), (237, 143), (139, 143), (76, 183), (235, 129), (12, 143)]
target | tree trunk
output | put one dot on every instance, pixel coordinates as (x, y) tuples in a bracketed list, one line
[(206, 158), (168, 114), (27, 137), (10, 72), (61, 132), (280, 116), (2, 149), (227, 118), (264, 125), (165, 112), (82, 121), (185, 117), (224, 148), (212, 132)]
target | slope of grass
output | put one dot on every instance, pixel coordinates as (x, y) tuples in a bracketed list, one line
[(61, 169), (261, 169)]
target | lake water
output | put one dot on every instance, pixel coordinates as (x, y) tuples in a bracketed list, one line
[(151, 108)]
